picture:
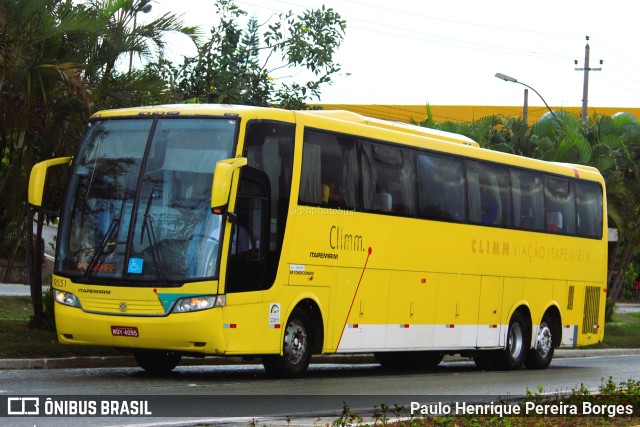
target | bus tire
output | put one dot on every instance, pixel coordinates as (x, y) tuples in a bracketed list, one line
[(540, 356), (157, 362), (408, 360), (512, 357), (296, 349)]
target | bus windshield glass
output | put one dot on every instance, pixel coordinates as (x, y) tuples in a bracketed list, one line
[(138, 209)]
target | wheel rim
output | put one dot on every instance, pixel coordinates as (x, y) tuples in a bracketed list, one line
[(545, 340), (295, 342), (516, 341)]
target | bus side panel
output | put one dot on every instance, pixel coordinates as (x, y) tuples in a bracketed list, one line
[(362, 309), (250, 327), (489, 312), (411, 313), (457, 311), (573, 319)]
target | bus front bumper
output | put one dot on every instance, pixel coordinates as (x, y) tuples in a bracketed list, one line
[(198, 332)]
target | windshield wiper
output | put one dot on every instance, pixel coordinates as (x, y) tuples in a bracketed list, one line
[(115, 222), (156, 255)]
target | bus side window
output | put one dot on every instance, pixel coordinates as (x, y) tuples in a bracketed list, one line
[(388, 178), (559, 198), (441, 188), (489, 194), (528, 200), (589, 209), (330, 173)]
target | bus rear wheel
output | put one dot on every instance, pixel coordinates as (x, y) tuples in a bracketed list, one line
[(540, 356), (514, 353), (157, 362), (296, 349), (512, 357)]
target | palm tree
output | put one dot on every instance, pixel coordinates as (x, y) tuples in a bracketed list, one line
[(105, 55), (57, 63), (36, 80), (616, 149)]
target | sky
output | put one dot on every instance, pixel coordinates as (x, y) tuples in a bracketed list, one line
[(414, 52)]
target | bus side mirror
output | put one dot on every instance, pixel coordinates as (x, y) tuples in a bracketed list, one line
[(221, 186), (46, 186)]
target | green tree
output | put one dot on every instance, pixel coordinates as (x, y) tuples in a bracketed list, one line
[(616, 152), (241, 66), (57, 64), (38, 87), (107, 57)]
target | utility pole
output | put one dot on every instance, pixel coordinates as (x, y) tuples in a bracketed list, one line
[(585, 86)]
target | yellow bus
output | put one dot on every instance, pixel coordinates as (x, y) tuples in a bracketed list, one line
[(196, 230)]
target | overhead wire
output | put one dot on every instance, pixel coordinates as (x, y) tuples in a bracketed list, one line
[(405, 34)]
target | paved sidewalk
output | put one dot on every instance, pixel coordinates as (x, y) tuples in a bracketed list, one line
[(17, 290)]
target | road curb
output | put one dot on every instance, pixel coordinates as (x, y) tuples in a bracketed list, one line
[(129, 362)]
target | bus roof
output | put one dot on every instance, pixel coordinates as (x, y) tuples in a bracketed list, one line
[(349, 116), (464, 143), (342, 115)]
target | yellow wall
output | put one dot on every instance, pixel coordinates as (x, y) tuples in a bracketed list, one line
[(463, 113)]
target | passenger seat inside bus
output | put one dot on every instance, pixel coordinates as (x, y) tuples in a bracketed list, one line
[(383, 202), (554, 222)]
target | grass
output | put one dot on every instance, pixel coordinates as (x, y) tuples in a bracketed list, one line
[(15, 308), (18, 340), (618, 403), (622, 332)]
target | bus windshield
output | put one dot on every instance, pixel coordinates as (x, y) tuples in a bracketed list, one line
[(138, 208)]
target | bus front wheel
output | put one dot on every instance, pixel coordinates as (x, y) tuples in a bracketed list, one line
[(296, 349), (157, 362)]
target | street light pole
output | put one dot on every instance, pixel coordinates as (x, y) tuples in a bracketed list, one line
[(146, 8), (513, 80)]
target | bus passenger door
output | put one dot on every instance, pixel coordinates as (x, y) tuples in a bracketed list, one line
[(246, 263), (249, 240)]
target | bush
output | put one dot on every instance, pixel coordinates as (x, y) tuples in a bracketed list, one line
[(49, 322)]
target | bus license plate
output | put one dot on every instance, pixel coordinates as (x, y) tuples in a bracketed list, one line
[(124, 331)]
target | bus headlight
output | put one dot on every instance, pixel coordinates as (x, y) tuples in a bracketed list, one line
[(66, 298), (185, 305)]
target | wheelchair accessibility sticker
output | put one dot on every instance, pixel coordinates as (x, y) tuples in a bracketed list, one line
[(135, 266)]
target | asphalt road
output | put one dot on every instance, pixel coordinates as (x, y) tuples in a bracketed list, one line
[(234, 395)]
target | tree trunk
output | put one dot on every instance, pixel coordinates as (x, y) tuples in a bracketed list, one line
[(14, 254), (34, 266)]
